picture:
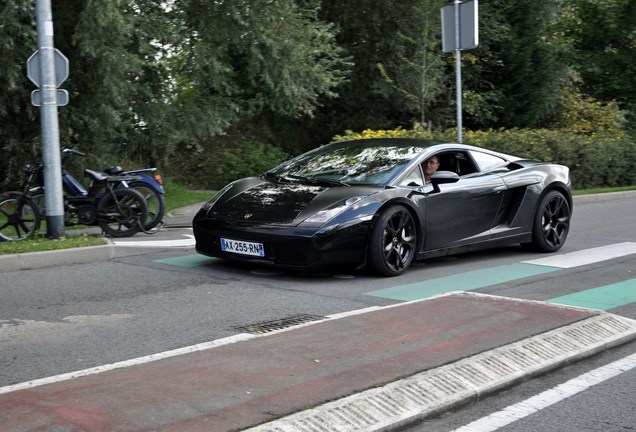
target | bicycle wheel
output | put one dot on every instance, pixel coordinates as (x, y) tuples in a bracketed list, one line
[(121, 213), (38, 199), (155, 202), (19, 217)]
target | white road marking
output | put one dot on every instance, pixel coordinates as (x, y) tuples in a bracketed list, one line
[(173, 353), (586, 256), (187, 242), (125, 363), (556, 394)]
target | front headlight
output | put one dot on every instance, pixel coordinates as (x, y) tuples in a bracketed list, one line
[(328, 214)]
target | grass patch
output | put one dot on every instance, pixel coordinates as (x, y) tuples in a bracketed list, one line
[(603, 190), (177, 196), (40, 243)]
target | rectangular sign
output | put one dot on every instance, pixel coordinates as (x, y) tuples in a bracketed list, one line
[(468, 26), (61, 95)]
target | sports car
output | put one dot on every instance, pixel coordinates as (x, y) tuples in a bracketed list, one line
[(366, 204)]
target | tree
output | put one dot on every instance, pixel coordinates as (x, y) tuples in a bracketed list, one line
[(418, 76), (374, 33), (401, 76), (18, 118), (238, 60), (116, 83), (522, 65), (147, 77), (602, 37)]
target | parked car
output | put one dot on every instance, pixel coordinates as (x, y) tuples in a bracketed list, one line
[(365, 204)]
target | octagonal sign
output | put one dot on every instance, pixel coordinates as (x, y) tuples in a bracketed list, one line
[(61, 67)]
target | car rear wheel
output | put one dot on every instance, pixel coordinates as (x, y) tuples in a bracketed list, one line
[(551, 223), (393, 242)]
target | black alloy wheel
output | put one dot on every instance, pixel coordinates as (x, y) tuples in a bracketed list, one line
[(552, 223), (393, 242)]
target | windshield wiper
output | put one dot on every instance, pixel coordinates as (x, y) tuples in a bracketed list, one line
[(275, 178), (317, 181)]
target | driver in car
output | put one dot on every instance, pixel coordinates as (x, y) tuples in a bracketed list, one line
[(430, 166)]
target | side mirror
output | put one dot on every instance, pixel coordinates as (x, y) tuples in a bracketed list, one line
[(443, 177)]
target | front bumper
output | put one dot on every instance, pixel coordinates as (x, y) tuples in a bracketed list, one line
[(288, 247)]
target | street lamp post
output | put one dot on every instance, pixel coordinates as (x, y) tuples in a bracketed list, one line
[(459, 32), (458, 72), (49, 121)]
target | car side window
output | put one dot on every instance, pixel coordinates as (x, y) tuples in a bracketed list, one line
[(487, 161), (413, 178), (456, 161)]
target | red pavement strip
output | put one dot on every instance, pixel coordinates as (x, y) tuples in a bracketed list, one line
[(236, 386)]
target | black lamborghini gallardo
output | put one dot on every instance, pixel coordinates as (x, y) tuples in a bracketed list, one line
[(366, 204)]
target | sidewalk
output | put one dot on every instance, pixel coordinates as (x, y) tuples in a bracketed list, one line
[(178, 218), (370, 371)]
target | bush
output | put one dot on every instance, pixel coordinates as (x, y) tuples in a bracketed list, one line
[(215, 164), (417, 132), (595, 160), (585, 115)]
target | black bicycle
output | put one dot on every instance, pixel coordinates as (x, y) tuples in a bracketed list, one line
[(119, 211)]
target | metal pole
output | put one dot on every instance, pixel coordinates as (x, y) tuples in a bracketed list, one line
[(458, 72), (49, 121)]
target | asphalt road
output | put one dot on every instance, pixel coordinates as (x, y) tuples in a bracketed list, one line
[(150, 299), (529, 407)]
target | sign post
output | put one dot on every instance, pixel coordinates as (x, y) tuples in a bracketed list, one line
[(459, 32), (48, 68), (61, 73)]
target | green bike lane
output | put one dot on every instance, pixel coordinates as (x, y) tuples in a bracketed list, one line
[(600, 298)]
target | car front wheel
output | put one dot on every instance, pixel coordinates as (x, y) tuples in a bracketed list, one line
[(552, 223), (393, 242)]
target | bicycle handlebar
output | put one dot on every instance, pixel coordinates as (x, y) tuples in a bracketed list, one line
[(72, 151)]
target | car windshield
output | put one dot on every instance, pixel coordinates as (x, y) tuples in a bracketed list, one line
[(349, 163)]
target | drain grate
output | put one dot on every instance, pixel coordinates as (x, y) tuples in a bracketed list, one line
[(278, 324)]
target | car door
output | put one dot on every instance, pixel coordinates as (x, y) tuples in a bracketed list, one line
[(463, 212)]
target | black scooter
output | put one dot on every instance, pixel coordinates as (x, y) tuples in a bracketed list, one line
[(119, 210)]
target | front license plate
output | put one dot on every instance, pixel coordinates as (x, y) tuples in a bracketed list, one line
[(242, 247)]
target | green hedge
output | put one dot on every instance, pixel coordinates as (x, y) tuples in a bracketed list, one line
[(214, 165), (594, 160)]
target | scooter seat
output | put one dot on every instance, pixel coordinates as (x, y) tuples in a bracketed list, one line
[(100, 176), (95, 175)]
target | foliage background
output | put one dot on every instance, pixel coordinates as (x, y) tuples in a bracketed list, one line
[(216, 90)]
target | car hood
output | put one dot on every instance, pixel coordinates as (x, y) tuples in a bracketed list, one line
[(282, 203)]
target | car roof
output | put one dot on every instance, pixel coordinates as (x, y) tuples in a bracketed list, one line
[(432, 145), (399, 142)]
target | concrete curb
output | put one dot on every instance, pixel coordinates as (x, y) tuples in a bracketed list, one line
[(602, 197), (36, 260)]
